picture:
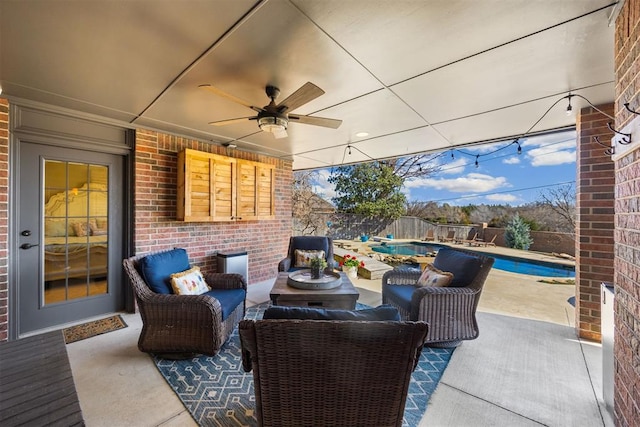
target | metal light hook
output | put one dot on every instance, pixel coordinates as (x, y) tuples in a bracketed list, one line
[(626, 137), (626, 105)]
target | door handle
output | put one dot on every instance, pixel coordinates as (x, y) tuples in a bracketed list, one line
[(27, 245)]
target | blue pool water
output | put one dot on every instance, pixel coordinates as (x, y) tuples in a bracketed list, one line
[(502, 262)]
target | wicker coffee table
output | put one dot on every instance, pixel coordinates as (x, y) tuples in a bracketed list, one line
[(342, 297)]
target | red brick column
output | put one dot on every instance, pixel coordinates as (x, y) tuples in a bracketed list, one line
[(627, 225), (4, 217), (595, 207)]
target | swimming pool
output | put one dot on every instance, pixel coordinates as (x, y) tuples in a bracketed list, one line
[(502, 262)]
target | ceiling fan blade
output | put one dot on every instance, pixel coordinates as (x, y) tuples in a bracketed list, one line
[(308, 92), (232, 121), (316, 121), (280, 134), (223, 94)]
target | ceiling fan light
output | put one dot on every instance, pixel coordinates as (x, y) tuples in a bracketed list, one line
[(272, 124)]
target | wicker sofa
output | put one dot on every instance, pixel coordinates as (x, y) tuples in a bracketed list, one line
[(449, 311), (331, 372), (178, 324)]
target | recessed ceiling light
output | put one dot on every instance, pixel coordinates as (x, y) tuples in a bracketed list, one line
[(362, 134)]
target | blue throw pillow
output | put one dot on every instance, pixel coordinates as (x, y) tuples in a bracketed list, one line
[(382, 312), (465, 267), (156, 269)]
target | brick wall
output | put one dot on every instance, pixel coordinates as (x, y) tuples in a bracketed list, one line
[(595, 214), (156, 228), (4, 217), (627, 221)]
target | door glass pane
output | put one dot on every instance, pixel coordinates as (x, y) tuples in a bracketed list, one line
[(75, 210)]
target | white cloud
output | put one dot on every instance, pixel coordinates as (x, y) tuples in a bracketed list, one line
[(505, 198), (550, 150), (322, 186), (453, 167), (553, 159), (406, 191), (511, 161), (470, 183)]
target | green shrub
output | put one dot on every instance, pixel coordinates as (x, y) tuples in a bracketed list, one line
[(517, 234)]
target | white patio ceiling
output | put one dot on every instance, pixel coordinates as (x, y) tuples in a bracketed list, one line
[(415, 75)]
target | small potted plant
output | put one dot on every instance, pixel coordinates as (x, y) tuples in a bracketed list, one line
[(350, 265), (317, 265)]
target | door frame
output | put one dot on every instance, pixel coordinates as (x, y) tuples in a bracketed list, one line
[(47, 125)]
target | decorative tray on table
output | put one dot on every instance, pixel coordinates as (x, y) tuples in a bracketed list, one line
[(301, 279)]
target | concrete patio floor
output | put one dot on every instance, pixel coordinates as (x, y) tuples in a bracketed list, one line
[(527, 368)]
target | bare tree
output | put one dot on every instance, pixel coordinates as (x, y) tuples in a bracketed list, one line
[(415, 166), (307, 210), (562, 201)]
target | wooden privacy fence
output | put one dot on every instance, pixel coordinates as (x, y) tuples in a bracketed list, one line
[(349, 227)]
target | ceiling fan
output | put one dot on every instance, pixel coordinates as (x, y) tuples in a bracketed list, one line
[(275, 118)]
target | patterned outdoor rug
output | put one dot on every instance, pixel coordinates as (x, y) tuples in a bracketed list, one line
[(91, 329), (217, 391)]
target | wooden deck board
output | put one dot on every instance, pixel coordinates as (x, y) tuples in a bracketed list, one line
[(36, 383)]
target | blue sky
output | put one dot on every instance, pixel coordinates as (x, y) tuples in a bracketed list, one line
[(502, 177)]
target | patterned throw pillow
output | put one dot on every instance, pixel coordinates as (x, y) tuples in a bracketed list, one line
[(95, 229), (431, 276), (304, 256), (189, 282), (81, 228)]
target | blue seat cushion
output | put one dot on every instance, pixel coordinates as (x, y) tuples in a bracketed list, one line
[(229, 299), (400, 294), (464, 267), (380, 313), (156, 269)]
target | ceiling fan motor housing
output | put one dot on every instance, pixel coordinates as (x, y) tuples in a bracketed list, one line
[(272, 92)]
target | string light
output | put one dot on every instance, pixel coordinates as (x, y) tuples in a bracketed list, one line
[(569, 111), (569, 108)]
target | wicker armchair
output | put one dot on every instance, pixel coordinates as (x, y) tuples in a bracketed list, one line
[(307, 243), (184, 323), (449, 311), (330, 373)]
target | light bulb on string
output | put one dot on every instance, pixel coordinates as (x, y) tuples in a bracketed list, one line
[(569, 110), (477, 157)]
